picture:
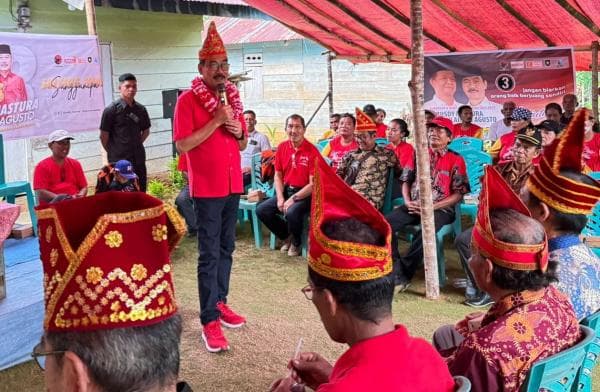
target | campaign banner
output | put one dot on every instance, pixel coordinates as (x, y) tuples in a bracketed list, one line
[(49, 82), (531, 78)]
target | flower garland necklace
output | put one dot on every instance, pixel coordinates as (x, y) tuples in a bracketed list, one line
[(210, 101)]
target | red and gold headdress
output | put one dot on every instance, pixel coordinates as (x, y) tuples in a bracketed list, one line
[(364, 123), (213, 47), (344, 261), (106, 261), (495, 194), (559, 192)]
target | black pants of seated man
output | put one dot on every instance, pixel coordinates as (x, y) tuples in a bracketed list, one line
[(293, 224), (406, 266)]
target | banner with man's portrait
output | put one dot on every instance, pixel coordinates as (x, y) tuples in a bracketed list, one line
[(485, 80), (49, 82)]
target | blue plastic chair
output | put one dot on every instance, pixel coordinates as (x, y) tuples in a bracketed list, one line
[(382, 141), (247, 207), (462, 384), (464, 143), (321, 144), (583, 382), (558, 372), (475, 162), (592, 227), (11, 190), (595, 175)]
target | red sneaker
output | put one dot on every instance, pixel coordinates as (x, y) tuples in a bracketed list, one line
[(229, 318), (213, 337)]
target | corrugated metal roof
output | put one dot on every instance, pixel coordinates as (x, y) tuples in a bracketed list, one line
[(238, 31)]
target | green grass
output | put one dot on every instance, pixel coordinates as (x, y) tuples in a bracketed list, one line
[(265, 286)]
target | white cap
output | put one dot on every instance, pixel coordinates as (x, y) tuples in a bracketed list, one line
[(59, 135)]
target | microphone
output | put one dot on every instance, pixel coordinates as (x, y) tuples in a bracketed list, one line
[(222, 94)]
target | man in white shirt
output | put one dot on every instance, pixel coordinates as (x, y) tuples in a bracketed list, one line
[(485, 112), (443, 82), (502, 127), (257, 142)]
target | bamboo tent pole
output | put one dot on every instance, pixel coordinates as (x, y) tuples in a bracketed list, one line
[(417, 91), (595, 46), (330, 82), (90, 16)]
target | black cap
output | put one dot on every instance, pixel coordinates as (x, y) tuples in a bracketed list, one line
[(531, 135), (5, 49), (553, 126), (127, 76)]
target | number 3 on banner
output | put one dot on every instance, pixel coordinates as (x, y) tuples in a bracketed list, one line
[(505, 82)]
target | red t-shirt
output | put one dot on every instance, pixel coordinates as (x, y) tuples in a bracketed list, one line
[(381, 129), (337, 150), (458, 131), (182, 163), (591, 153), (295, 164), (392, 362), (67, 178), (405, 153), (214, 166)]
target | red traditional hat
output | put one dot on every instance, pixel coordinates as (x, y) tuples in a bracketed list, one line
[(106, 261), (364, 123), (213, 47), (443, 122), (495, 194), (562, 193), (344, 261)]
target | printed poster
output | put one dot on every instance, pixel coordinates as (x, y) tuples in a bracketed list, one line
[(49, 82), (485, 80)]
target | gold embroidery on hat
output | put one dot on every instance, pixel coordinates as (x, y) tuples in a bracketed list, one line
[(113, 239), (48, 234), (53, 255), (138, 272), (74, 258), (94, 275), (159, 232)]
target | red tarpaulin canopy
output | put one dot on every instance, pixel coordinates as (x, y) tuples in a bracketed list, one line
[(379, 30)]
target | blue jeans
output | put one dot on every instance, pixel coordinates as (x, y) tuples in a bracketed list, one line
[(216, 217)]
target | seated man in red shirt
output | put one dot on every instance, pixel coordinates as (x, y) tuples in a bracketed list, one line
[(343, 143), (59, 177), (294, 161), (351, 285), (449, 182), (465, 127)]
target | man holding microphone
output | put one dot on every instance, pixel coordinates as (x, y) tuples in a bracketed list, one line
[(209, 128)]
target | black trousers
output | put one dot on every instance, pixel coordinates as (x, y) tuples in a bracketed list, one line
[(463, 246), (406, 266), (293, 224), (216, 219)]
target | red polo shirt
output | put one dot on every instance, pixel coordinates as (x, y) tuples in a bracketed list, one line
[(214, 166), (381, 129), (591, 153), (67, 179), (296, 164), (458, 131), (405, 153), (13, 89), (337, 150), (391, 362)]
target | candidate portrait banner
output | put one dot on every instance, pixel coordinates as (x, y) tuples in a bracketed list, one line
[(485, 80), (49, 82)]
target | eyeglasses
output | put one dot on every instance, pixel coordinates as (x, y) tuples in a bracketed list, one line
[(40, 356), (308, 291), (213, 66), (362, 136)]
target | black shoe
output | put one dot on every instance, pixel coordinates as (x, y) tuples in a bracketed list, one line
[(402, 283), (480, 302)]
